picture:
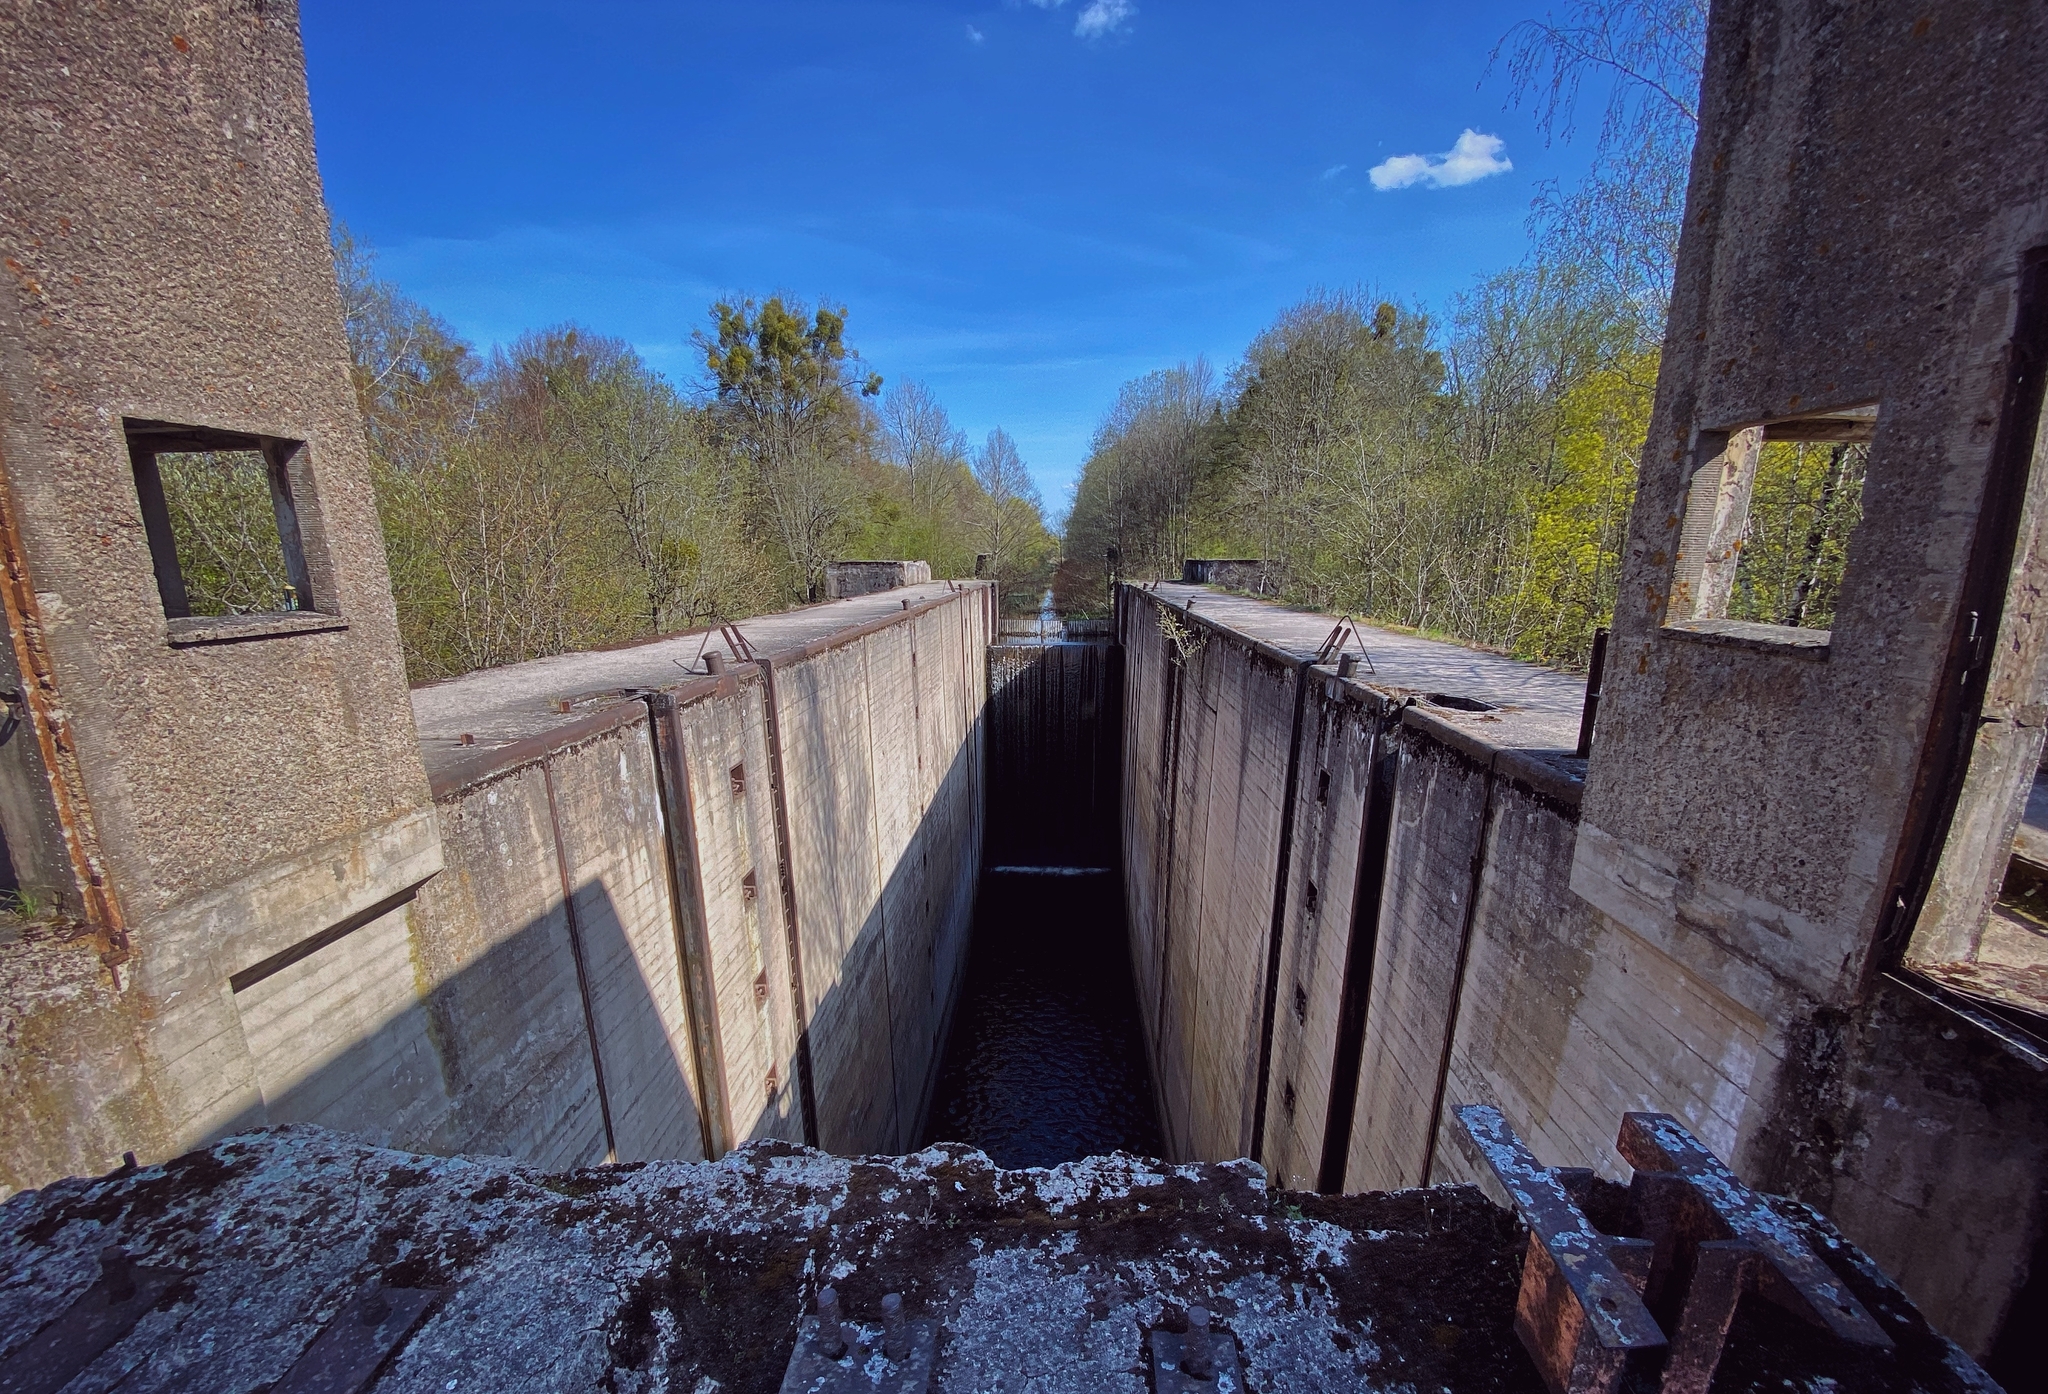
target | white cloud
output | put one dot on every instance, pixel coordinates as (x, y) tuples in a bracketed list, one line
[(975, 36), (1104, 17), (1474, 157), (1334, 170), (1097, 17)]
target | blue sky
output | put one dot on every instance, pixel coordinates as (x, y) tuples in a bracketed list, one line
[(1022, 204)]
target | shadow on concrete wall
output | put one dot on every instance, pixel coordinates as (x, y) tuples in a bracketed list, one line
[(872, 1042), (553, 1046), (1055, 754), (516, 1054)]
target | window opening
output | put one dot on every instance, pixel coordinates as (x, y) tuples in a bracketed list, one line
[(1768, 518), (218, 513)]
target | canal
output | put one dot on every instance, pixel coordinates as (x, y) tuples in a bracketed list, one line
[(1046, 1062)]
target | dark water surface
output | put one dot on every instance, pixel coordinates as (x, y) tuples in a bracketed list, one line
[(1046, 1063)]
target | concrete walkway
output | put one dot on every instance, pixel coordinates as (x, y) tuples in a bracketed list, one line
[(516, 701), (1541, 704)]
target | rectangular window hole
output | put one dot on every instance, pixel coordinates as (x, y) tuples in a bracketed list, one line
[(222, 525), (738, 775), (1765, 544), (750, 889)]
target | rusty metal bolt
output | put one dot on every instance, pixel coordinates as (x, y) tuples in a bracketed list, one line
[(1347, 664), (895, 1331), (374, 1304), (831, 1329), (1197, 1359), (117, 1271), (714, 663)]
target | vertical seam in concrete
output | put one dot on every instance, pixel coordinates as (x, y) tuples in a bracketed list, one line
[(1361, 951), (1443, 1069), (604, 1107), (785, 873), (1283, 863), (1176, 682), (693, 947)]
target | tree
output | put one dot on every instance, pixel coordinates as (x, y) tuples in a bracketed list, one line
[(1137, 492), (921, 440), (1008, 512), (788, 398), (1622, 221)]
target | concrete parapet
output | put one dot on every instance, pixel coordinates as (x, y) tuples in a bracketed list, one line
[(847, 579), (699, 1275), (778, 861), (1431, 947)]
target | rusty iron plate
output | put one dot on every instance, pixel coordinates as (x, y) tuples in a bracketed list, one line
[(1203, 1360)]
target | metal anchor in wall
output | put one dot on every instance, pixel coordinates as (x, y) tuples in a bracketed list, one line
[(1203, 1360), (835, 1356)]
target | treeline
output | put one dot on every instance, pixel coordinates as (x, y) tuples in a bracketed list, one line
[(1469, 474), (559, 494), (1472, 480)]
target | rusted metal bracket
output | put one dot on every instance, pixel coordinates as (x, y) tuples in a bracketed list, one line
[(1333, 646), (1204, 1360), (1580, 1314), (736, 641), (1715, 1240), (835, 1356), (1694, 1241), (102, 1315), (346, 1356)]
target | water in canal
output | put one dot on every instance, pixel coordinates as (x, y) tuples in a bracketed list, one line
[(1047, 1060)]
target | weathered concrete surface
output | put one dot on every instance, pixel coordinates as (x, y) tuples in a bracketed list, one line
[(606, 968), (677, 1010), (847, 579), (692, 1278), (166, 251), (1452, 962), (1770, 826)]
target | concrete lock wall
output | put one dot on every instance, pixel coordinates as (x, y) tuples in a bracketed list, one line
[(674, 1010), (1432, 952), (1055, 753), (687, 917)]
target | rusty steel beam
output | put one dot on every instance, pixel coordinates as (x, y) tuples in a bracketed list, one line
[(1580, 1313), (54, 738), (1715, 1240)]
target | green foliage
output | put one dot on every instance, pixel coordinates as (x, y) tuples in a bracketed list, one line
[(561, 494), (1568, 579), (225, 529), (1473, 483), (1805, 502)]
